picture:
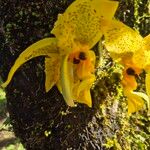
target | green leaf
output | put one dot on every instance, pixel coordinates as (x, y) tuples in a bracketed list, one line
[(121, 39)]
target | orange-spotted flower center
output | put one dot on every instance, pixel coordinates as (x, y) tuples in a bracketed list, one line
[(129, 77), (130, 71), (84, 65)]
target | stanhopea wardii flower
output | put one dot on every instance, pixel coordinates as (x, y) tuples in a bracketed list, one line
[(69, 60), (130, 49)]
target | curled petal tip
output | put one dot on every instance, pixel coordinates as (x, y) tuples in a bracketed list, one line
[(4, 85)]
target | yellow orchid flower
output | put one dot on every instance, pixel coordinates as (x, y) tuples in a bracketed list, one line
[(122, 41), (129, 83), (126, 47), (142, 58), (69, 62), (82, 24)]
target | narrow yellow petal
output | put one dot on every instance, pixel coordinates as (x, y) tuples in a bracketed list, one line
[(58, 84), (121, 39), (66, 77), (41, 48), (52, 71), (140, 58)]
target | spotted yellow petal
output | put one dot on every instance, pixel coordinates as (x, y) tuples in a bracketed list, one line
[(105, 8), (66, 80), (52, 71), (41, 48), (147, 42), (121, 39), (81, 23), (142, 56), (146, 50)]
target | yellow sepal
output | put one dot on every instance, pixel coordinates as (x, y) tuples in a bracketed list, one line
[(52, 71), (41, 48), (121, 39)]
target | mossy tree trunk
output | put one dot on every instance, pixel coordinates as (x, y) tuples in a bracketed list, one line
[(42, 120)]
